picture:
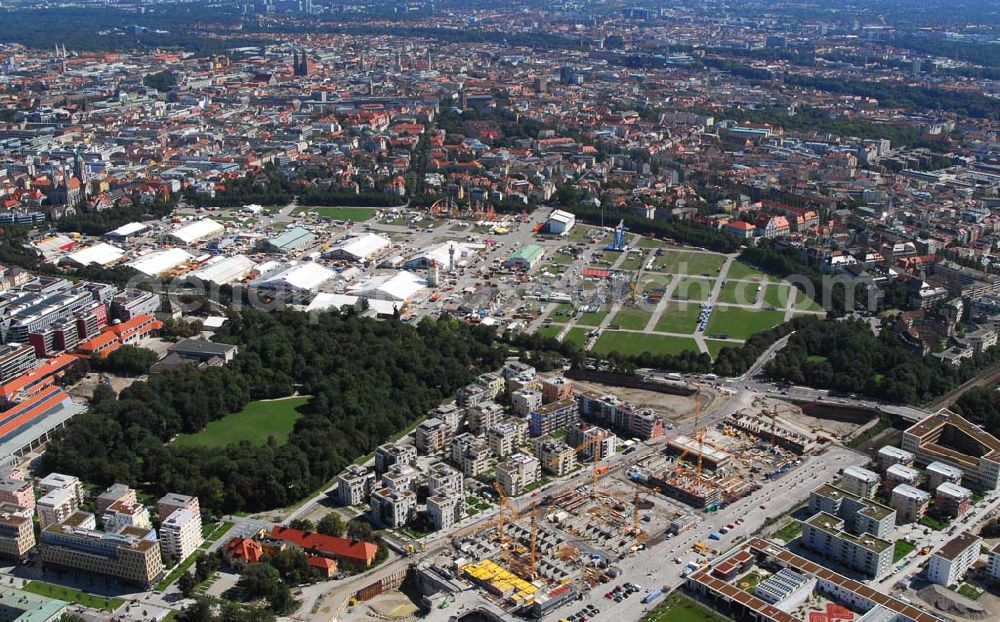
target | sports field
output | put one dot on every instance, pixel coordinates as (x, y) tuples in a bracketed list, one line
[(255, 424), (741, 323), (633, 344)]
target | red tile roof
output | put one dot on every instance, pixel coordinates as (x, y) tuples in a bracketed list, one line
[(340, 548)]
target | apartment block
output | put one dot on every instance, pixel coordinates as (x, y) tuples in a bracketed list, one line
[(392, 508), (824, 533), (993, 565), (556, 457), (56, 506), (17, 535), (516, 370), (17, 492), (58, 481), (889, 455), (444, 510), (860, 482), (593, 442), (525, 401), (473, 395), (390, 454), (471, 454), (132, 556), (450, 414), (947, 438), (172, 501), (401, 477), (494, 383), (115, 492), (554, 416), (897, 474), (610, 412), (507, 436), (518, 472), (860, 514), (952, 500), (939, 473), (354, 484), (948, 565), (122, 514), (482, 417), (431, 436), (15, 359), (180, 534), (556, 389), (910, 503), (442, 479)]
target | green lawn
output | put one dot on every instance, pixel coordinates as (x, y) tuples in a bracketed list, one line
[(741, 323), (748, 582), (215, 531), (576, 336), (902, 549), (790, 531), (969, 591), (776, 295), (693, 288), (180, 569), (740, 270), (679, 317), (805, 303), (689, 262), (680, 608), (716, 345), (739, 292), (933, 523), (633, 344), (632, 262), (550, 331), (255, 423), (356, 214), (73, 596), (563, 310), (631, 318), (592, 318)]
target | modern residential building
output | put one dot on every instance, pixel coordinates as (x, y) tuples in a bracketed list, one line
[(443, 479), (131, 556), (170, 502), (401, 477), (392, 508), (180, 534), (17, 492), (122, 514), (525, 401), (354, 484), (471, 454), (593, 443), (554, 416), (555, 389), (948, 438), (444, 510), (627, 419), (889, 455), (391, 453), (431, 436), (473, 395), (860, 514), (451, 414), (860, 482), (899, 473), (58, 481), (824, 533), (556, 457), (993, 565), (507, 436), (939, 473), (483, 416), (17, 535), (517, 472), (494, 382), (952, 500), (948, 565), (115, 492), (56, 506), (910, 503)]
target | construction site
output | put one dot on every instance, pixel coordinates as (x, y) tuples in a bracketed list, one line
[(721, 464)]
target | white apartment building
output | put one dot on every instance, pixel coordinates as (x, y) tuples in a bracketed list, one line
[(392, 508), (122, 514), (525, 401), (507, 436), (910, 503), (443, 479), (948, 565), (518, 472), (860, 482), (180, 534), (354, 484), (444, 510), (58, 481), (56, 506)]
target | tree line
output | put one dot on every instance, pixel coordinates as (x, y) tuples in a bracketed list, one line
[(368, 380)]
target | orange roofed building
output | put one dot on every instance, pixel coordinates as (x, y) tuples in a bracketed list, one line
[(117, 335), (343, 550)]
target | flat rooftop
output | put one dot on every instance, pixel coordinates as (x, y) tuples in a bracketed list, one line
[(827, 523)]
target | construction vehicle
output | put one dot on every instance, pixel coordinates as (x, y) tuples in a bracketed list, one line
[(704, 549)]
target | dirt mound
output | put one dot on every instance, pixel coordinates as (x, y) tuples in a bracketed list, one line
[(952, 603)]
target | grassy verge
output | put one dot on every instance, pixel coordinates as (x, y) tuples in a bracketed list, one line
[(73, 595), (680, 608), (181, 568), (902, 549), (790, 531)]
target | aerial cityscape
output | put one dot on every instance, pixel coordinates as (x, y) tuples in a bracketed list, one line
[(476, 311)]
